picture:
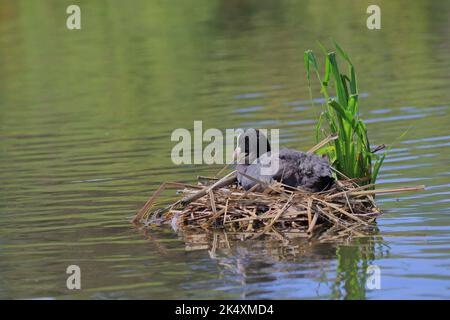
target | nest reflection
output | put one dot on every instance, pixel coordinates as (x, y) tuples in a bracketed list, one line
[(276, 245)]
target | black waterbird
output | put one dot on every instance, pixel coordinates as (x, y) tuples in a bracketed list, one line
[(295, 168)]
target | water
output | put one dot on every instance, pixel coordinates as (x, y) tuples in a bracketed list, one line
[(85, 125)]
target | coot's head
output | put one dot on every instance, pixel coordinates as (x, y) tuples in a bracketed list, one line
[(251, 144)]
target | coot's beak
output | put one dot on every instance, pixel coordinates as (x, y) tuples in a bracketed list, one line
[(236, 154)]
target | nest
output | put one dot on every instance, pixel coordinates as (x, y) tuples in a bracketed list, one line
[(345, 211)]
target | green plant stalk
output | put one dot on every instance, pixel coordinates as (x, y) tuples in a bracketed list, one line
[(350, 154)]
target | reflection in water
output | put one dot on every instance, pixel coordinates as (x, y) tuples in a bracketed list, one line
[(352, 270), (236, 258)]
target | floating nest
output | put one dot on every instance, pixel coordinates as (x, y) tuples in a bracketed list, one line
[(345, 211)]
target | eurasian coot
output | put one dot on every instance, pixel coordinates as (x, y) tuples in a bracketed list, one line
[(295, 168)]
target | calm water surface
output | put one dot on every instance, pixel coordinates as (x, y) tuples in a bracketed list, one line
[(85, 124)]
